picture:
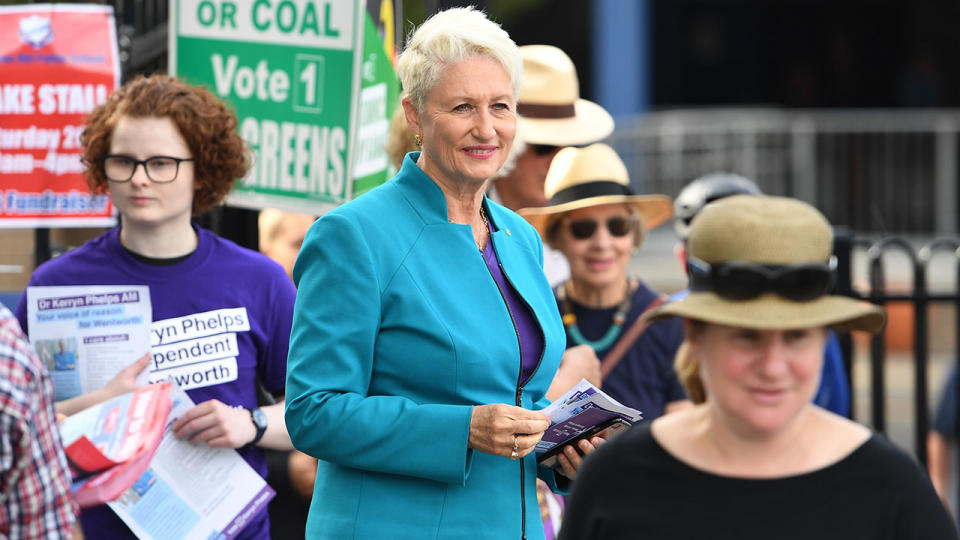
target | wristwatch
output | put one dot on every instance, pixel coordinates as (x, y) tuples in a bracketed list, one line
[(260, 422)]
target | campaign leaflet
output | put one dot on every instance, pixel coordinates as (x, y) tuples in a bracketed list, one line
[(86, 334), (110, 444), (583, 411), (192, 492)]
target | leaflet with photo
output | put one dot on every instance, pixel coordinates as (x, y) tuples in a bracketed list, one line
[(582, 412), (110, 444), (192, 492), (86, 334)]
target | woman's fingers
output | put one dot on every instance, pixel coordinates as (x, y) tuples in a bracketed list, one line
[(506, 430)]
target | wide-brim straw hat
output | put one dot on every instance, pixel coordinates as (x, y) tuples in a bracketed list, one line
[(769, 231), (550, 109), (591, 176)]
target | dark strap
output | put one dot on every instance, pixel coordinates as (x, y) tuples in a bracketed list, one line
[(538, 110), (628, 339), (596, 188)]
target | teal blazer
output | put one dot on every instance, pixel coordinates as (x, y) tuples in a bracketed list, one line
[(399, 330)]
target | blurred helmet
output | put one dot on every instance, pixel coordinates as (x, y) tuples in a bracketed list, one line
[(705, 189)]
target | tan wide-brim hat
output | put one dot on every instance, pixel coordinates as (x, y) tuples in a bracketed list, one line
[(772, 231), (549, 105), (591, 176)]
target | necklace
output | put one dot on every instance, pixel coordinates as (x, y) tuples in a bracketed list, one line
[(570, 319), (486, 229)]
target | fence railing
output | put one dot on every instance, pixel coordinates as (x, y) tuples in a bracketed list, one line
[(884, 171), (933, 265)]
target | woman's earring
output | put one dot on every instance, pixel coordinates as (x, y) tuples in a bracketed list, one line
[(417, 139)]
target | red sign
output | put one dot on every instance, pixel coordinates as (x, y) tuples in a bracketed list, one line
[(57, 62)]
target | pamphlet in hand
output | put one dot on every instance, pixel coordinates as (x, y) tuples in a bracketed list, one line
[(87, 334), (192, 492), (114, 441), (581, 413)]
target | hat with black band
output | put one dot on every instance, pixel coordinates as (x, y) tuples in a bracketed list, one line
[(592, 176), (549, 108)]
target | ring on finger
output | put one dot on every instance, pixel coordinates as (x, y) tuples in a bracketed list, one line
[(516, 447)]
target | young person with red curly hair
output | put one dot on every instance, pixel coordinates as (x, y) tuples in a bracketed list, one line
[(166, 151)]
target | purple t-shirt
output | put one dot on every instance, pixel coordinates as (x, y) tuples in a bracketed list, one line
[(528, 330), (222, 293)]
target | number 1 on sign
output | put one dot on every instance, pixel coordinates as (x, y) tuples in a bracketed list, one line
[(308, 95)]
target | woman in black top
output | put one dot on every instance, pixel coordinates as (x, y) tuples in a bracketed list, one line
[(757, 459)]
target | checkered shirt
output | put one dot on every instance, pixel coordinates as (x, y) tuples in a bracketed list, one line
[(35, 499)]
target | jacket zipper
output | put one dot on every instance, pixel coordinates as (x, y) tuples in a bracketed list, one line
[(519, 394)]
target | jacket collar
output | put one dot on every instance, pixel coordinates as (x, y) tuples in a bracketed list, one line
[(424, 194)]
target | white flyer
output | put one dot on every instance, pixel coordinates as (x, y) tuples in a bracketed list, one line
[(86, 334), (192, 492)]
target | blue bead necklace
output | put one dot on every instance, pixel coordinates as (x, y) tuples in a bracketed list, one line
[(607, 340)]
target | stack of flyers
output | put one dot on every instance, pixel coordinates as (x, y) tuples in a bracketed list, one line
[(580, 413)]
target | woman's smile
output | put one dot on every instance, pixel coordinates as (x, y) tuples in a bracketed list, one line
[(480, 151)]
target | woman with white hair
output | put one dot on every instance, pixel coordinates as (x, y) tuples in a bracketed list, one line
[(425, 333), (757, 459)]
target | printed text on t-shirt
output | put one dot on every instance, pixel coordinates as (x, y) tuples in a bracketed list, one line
[(197, 350)]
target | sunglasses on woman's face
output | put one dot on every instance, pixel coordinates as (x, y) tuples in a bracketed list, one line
[(619, 226), (738, 280)]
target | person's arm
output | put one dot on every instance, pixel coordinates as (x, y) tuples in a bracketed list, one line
[(35, 480), (578, 362), (219, 425), (938, 464), (122, 382)]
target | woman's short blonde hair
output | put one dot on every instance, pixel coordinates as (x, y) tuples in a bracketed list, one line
[(451, 36)]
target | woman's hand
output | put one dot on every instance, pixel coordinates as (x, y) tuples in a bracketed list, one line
[(570, 459), (126, 380), (216, 424), (505, 430)]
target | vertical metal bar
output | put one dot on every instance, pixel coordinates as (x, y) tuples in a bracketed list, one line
[(803, 156), (945, 175), (843, 249), (877, 347), (921, 417)]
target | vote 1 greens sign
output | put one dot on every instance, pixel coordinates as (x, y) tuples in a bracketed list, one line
[(313, 90)]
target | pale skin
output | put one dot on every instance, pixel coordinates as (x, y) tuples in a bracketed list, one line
[(156, 223), (938, 465), (467, 125), (758, 420), (523, 187)]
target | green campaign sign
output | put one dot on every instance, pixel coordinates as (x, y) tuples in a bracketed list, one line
[(313, 90)]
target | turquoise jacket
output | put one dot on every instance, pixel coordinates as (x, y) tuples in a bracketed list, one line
[(399, 330)]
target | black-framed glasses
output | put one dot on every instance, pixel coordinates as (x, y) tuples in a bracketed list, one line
[(618, 226), (159, 169), (543, 149), (737, 280)]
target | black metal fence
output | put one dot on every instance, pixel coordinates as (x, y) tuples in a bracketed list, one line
[(919, 297)]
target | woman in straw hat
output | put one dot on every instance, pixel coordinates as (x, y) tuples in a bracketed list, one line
[(598, 223), (425, 334), (757, 459)]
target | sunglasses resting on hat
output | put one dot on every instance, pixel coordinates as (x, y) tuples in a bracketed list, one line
[(736, 280), (619, 226)]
